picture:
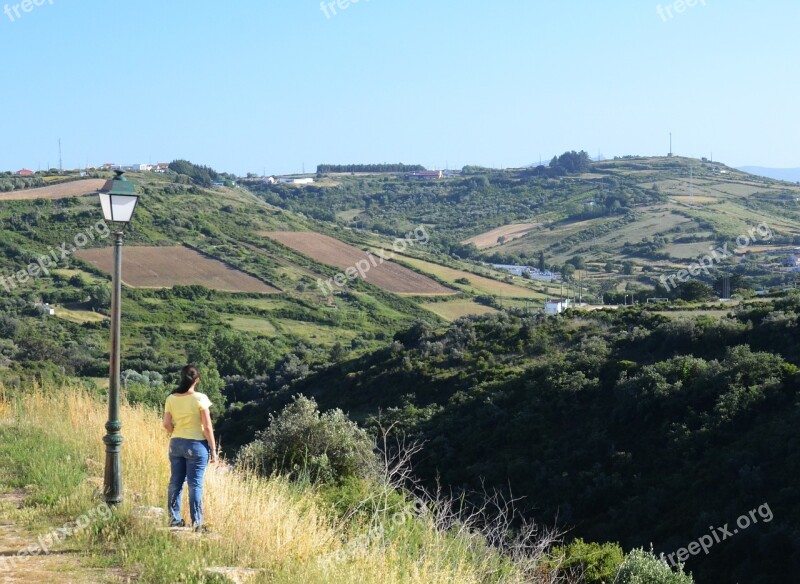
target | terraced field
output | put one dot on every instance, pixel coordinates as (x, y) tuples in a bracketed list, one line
[(477, 284), (455, 309), (164, 267), (382, 273), (507, 232)]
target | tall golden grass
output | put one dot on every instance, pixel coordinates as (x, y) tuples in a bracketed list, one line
[(262, 523)]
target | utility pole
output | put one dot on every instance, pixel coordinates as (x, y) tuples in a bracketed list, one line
[(60, 163)]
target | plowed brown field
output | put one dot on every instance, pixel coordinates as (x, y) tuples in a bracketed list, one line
[(164, 267), (75, 188), (387, 275)]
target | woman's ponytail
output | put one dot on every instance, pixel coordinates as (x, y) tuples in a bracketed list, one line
[(189, 375)]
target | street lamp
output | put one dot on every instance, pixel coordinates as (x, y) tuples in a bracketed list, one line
[(118, 199)]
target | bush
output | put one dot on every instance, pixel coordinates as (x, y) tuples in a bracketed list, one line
[(642, 567), (146, 388), (595, 563), (302, 443)]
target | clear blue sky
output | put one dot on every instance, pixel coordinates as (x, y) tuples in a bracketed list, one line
[(249, 85)]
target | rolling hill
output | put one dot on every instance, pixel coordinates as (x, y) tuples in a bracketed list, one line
[(445, 344), (661, 214)]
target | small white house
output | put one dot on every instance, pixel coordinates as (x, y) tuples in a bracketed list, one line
[(46, 309), (556, 306)]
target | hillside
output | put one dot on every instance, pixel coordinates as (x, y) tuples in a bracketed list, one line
[(262, 529), (201, 267), (360, 291), (618, 423), (661, 214)]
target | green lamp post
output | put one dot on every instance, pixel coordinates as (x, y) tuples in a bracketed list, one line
[(118, 199)]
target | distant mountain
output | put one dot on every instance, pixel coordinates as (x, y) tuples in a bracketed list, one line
[(789, 174)]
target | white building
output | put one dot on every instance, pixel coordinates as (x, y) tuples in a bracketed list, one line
[(516, 270), (46, 309), (532, 273), (296, 181), (556, 306)]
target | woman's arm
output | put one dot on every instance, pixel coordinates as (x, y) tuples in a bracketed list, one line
[(168, 425), (208, 432)]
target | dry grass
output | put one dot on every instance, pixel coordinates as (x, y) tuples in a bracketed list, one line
[(75, 188), (508, 232), (270, 524), (455, 309)]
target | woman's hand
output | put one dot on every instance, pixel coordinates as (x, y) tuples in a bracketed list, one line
[(212, 459)]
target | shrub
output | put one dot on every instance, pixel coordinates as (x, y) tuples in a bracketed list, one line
[(595, 563), (302, 443), (642, 567)]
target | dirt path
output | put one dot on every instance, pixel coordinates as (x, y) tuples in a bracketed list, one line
[(62, 565)]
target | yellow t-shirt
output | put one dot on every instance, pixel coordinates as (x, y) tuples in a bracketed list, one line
[(185, 411)]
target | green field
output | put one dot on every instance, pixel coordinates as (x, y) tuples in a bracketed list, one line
[(477, 284), (258, 326), (455, 309), (78, 316)]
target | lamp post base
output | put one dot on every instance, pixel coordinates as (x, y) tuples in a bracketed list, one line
[(112, 481)]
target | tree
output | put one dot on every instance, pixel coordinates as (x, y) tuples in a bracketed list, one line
[(338, 352), (628, 267), (695, 291), (77, 281), (100, 297), (541, 263), (610, 267), (578, 262), (567, 270)]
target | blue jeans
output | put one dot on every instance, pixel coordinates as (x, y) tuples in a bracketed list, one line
[(188, 459)]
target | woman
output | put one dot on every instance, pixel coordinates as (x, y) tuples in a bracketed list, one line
[(192, 447)]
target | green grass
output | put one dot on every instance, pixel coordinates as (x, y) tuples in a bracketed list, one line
[(457, 308), (48, 469), (349, 215), (263, 303), (257, 326), (317, 333), (78, 316), (477, 284)]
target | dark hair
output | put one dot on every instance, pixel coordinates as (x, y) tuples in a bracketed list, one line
[(189, 375)]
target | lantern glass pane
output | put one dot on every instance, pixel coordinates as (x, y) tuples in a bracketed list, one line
[(122, 207), (105, 202)]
